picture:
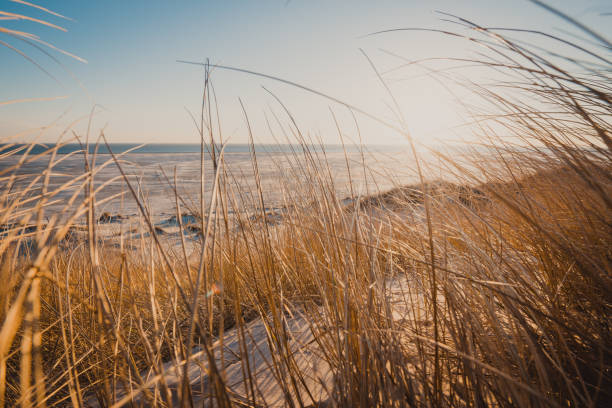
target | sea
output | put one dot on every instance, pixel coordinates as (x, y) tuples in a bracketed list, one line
[(158, 173)]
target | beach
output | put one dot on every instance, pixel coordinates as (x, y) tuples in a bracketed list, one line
[(305, 205)]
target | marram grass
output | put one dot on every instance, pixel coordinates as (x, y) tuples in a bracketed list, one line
[(492, 290)]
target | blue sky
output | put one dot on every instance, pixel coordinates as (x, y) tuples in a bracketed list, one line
[(131, 48)]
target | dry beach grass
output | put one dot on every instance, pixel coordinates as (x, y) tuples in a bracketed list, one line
[(492, 290)]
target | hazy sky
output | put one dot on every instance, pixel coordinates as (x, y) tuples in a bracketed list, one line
[(131, 48)]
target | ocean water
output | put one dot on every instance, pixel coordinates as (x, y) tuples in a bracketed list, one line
[(285, 173), (168, 148)]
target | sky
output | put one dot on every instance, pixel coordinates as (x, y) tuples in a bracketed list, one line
[(143, 95)]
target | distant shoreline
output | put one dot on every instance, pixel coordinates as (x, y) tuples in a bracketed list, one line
[(21, 148)]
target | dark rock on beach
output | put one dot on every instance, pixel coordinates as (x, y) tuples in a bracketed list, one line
[(19, 229), (107, 218), (186, 219)]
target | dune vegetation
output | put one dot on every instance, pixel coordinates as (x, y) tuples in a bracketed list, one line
[(491, 287)]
